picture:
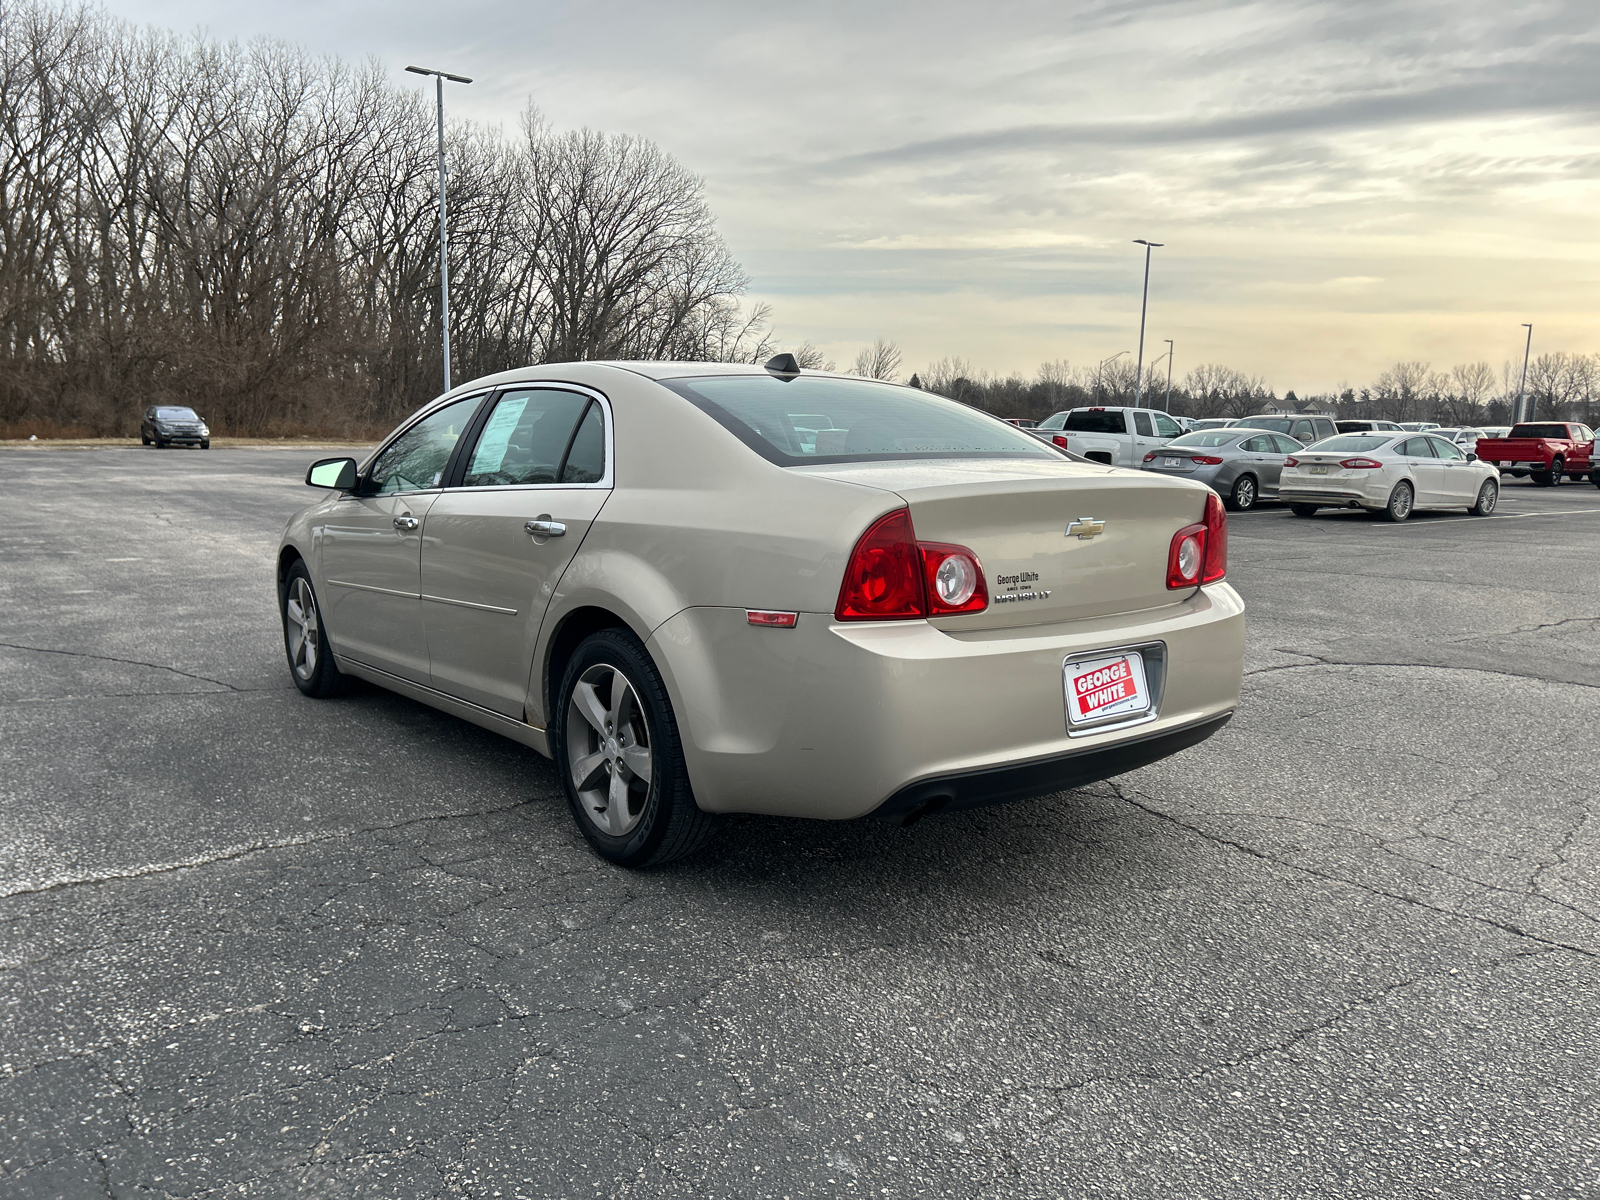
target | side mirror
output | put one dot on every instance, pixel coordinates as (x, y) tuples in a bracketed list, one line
[(1471, 457), (336, 473)]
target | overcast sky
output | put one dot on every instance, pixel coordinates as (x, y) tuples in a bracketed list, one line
[(1339, 185)]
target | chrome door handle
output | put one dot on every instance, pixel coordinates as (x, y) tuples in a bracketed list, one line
[(544, 527), (406, 522)]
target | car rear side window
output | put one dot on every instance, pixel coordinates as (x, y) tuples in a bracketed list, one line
[(1095, 420), (586, 459), (525, 439), (782, 420)]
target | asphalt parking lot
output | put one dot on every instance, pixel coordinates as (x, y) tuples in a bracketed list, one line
[(259, 945)]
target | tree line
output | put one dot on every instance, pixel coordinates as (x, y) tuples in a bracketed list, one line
[(253, 231), (1560, 386)]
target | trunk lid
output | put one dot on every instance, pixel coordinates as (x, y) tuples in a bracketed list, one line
[(1014, 514)]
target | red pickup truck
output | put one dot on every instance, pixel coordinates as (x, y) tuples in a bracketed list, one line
[(1547, 450)]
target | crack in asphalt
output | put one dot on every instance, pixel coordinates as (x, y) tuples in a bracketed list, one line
[(1403, 898), (1323, 660), (130, 662), (230, 853)]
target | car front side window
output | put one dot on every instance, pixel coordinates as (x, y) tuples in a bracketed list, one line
[(415, 461), (1446, 449)]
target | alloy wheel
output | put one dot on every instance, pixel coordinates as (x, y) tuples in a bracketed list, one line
[(608, 750), (302, 628), (1488, 497), (1244, 494), (1401, 501)]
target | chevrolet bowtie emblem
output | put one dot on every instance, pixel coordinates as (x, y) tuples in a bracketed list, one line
[(1085, 528)]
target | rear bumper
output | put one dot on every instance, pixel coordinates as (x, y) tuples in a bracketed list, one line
[(837, 721), (1040, 777), (1328, 497)]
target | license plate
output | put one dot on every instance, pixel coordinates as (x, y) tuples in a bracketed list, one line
[(1319, 470), (1110, 686), (1169, 462)]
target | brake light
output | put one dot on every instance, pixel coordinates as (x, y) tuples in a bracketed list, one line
[(1205, 460), (1360, 464), (1149, 458), (1199, 552), (1058, 440), (893, 577), (1291, 461), (1216, 520)]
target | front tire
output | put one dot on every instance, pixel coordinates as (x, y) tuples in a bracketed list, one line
[(1244, 495), (1303, 510), (311, 665), (205, 444), (1401, 501), (1488, 497)]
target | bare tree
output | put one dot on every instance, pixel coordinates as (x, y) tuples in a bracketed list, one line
[(881, 360)]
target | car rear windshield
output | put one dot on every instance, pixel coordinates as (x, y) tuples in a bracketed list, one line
[(1539, 431), (817, 419), (1346, 442), (1095, 420), (1216, 437)]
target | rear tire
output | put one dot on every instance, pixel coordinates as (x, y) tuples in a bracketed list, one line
[(612, 723), (1303, 510), (1553, 476), (1488, 497), (143, 441), (1401, 501), (1594, 477), (160, 445), (1244, 494), (311, 664)]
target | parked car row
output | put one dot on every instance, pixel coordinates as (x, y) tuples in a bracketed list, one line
[(1388, 467)]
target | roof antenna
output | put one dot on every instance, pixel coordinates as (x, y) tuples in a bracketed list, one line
[(783, 364)]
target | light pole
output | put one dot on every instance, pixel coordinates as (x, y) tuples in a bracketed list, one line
[(1522, 388), (444, 250), (1138, 377), (1101, 368), (1168, 406)]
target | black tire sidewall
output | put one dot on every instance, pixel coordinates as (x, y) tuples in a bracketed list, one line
[(621, 649), (1389, 510), (327, 678), (1303, 510), (1255, 493)]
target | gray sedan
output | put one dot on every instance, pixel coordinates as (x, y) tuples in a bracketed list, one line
[(1241, 465)]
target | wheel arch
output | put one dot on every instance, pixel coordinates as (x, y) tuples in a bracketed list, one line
[(566, 635)]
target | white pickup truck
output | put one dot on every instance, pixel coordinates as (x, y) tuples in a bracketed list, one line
[(1118, 437)]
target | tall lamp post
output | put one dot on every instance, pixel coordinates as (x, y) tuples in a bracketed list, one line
[(1138, 377), (1101, 368), (1167, 408), (1522, 388), (444, 250)]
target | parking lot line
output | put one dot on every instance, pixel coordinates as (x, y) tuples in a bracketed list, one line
[(1571, 512)]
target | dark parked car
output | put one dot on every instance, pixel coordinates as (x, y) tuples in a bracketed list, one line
[(1302, 429), (167, 425), (1368, 427)]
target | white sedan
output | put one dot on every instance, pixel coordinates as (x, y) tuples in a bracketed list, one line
[(705, 589), (1394, 474)]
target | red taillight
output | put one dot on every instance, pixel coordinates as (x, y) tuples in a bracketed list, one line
[(1149, 458), (953, 578), (892, 577), (1058, 440), (1205, 460), (884, 578), (1216, 520), (1199, 552), (1360, 464), (1291, 461)]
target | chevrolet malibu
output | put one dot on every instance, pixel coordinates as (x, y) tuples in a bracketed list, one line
[(707, 589)]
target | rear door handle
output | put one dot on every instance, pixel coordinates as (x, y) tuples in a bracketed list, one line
[(544, 527), (406, 521)]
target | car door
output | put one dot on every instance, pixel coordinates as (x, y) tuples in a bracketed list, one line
[(495, 546), (369, 546), (1458, 477), (1425, 469), (1144, 436), (1166, 430)]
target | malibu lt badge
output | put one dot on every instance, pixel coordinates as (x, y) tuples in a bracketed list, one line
[(1085, 528)]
